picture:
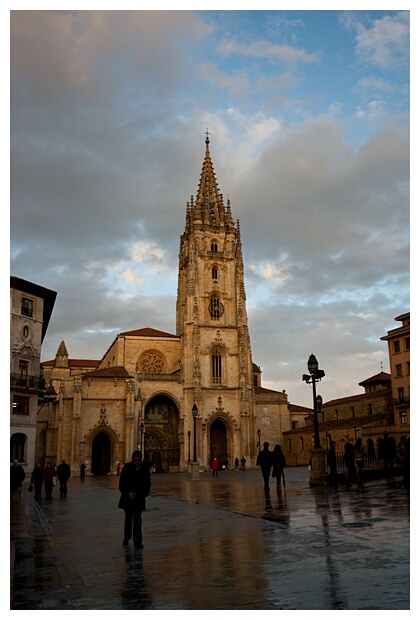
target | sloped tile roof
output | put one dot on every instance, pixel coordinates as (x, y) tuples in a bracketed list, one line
[(148, 332)]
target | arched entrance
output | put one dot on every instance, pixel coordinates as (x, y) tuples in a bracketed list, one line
[(101, 454), (218, 441), (161, 436)]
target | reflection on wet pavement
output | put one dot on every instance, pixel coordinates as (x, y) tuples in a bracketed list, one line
[(215, 544)]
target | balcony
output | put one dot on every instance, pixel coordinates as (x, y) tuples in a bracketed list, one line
[(402, 401), (27, 382)]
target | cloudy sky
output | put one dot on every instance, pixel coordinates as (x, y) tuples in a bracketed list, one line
[(308, 116)]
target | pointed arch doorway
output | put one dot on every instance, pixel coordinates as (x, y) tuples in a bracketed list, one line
[(218, 441), (101, 454)]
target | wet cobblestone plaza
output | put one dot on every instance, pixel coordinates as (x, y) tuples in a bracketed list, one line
[(215, 544)]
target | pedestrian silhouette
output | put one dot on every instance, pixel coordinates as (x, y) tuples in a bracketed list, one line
[(49, 478), (63, 474), (279, 462), (17, 476), (387, 454), (243, 463), (350, 463), (37, 479), (134, 486), (332, 466), (82, 471), (215, 467), (265, 461)]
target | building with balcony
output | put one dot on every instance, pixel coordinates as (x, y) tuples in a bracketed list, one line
[(398, 340), (31, 306)]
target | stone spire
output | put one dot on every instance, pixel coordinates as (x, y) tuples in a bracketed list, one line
[(62, 357), (209, 208)]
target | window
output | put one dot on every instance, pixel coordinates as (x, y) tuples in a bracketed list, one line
[(294, 426), (398, 369), (336, 414), (214, 273), (214, 247), (216, 366), (401, 394), (20, 405), (407, 344), (403, 417), (216, 307), (27, 307), (23, 373), (370, 409), (17, 447), (396, 346), (353, 413), (408, 368)]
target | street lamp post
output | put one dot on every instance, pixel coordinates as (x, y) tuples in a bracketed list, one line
[(318, 470), (259, 439), (189, 444), (195, 466)]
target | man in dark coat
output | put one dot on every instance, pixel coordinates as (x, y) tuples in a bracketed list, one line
[(265, 461), (135, 487), (63, 474), (17, 476)]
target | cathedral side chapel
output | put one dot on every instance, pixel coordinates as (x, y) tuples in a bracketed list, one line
[(142, 392)]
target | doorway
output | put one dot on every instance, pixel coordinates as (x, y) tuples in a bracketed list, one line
[(101, 455), (218, 441)]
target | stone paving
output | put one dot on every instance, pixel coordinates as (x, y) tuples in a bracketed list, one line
[(215, 544)]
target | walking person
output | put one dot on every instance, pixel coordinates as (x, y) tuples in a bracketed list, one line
[(37, 479), (134, 486), (243, 463), (387, 454), (236, 464), (82, 471), (332, 465), (215, 467), (279, 462), (265, 461), (359, 452), (63, 474), (49, 479), (17, 476), (350, 463)]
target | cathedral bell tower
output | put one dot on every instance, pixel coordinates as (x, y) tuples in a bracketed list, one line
[(211, 317)]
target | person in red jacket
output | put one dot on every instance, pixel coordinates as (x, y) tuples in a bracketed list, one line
[(49, 477), (215, 466)]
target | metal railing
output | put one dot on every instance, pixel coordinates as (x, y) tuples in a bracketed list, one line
[(26, 382), (371, 461)]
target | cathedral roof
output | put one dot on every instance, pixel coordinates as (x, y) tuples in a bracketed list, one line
[(74, 363), (148, 332), (113, 371)]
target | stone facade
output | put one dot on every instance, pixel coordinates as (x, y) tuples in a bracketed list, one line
[(398, 340), (142, 392), (31, 307), (367, 415)]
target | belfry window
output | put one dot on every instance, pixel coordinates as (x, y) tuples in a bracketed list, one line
[(214, 272), (214, 247), (216, 366), (215, 307)]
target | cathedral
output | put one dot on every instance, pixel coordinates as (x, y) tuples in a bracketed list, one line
[(180, 397)]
